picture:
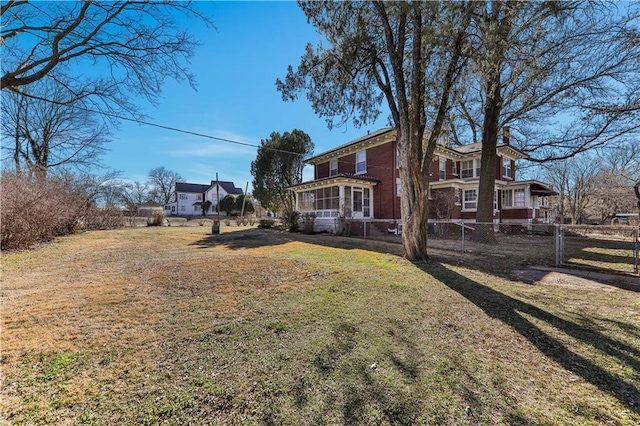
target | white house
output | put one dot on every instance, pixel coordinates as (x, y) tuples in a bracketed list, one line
[(190, 196)]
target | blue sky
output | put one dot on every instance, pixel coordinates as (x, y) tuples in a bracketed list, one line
[(236, 68)]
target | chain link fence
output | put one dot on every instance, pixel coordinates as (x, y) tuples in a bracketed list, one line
[(604, 248)]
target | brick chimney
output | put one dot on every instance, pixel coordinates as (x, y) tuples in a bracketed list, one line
[(505, 135)]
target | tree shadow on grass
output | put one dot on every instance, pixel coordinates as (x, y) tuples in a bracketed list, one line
[(254, 238), (509, 310)]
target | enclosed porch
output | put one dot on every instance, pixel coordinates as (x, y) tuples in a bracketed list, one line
[(335, 198)]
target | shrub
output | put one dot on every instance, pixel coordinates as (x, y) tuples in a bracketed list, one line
[(227, 222), (266, 223), (37, 211), (308, 222), (109, 217), (156, 219), (292, 220)]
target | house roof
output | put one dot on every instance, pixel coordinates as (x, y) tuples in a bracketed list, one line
[(229, 187), (537, 188), (388, 134), (150, 204), (376, 138), (339, 178), (198, 188), (191, 187)]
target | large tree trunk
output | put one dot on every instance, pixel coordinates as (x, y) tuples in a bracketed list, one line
[(484, 209), (414, 201)]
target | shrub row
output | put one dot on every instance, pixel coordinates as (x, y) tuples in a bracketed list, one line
[(34, 211)]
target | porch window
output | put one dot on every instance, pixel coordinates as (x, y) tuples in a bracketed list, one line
[(507, 198), (366, 209), (506, 168), (470, 199), (443, 169), (454, 168), (477, 162), (518, 197), (466, 169), (513, 198), (333, 167), (361, 162)]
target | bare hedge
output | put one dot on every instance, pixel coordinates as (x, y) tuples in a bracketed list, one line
[(37, 211)]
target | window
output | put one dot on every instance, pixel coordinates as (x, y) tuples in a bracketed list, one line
[(199, 197), (361, 162), (507, 198), (397, 158), (182, 196), (454, 168), (443, 169), (518, 197), (366, 210), (333, 167), (183, 208), (457, 195), (470, 198), (398, 188), (477, 163), (506, 168), (357, 200), (513, 198), (466, 169), (327, 198)]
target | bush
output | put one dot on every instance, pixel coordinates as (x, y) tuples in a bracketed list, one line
[(292, 220), (103, 218), (156, 219), (227, 222), (308, 222), (266, 223), (37, 211)]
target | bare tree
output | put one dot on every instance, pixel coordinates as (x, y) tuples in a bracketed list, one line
[(132, 46), (576, 180), (41, 135), (162, 184)]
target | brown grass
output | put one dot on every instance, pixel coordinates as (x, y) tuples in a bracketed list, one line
[(176, 326)]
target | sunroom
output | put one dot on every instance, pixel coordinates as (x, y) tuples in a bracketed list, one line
[(336, 197)]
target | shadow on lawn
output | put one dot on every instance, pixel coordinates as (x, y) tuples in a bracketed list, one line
[(509, 310)]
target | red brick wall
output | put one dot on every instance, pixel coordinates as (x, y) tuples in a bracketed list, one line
[(347, 164), (516, 214), (381, 164), (322, 170)]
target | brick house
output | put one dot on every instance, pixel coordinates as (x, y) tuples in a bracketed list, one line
[(361, 180), (190, 196)]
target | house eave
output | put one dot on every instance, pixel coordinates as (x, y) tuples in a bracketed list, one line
[(374, 139), (333, 181)]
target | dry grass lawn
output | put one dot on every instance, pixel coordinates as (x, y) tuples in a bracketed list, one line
[(175, 326)]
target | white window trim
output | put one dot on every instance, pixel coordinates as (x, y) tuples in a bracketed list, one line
[(464, 201), (333, 171), (364, 154)]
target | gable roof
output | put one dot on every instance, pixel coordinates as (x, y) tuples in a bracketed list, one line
[(191, 187), (198, 188), (229, 187)]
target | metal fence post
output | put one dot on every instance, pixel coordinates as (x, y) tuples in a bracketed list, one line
[(559, 243), (636, 252), (462, 227)]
